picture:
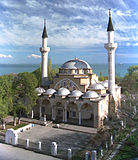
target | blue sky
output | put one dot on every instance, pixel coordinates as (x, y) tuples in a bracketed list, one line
[(75, 29)]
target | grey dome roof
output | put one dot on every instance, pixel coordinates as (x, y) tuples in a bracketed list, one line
[(90, 94), (105, 83), (63, 92), (97, 86), (40, 90), (75, 64), (75, 93), (50, 91)]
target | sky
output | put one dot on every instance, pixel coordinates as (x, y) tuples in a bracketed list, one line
[(76, 29)]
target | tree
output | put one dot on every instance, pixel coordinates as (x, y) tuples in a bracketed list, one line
[(52, 71), (130, 81), (25, 96), (3, 113), (132, 69), (37, 74), (101, 78)]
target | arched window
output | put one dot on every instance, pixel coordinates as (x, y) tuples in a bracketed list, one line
[(76, 71)]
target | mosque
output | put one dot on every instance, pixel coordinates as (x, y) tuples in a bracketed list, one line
[(76, 96)]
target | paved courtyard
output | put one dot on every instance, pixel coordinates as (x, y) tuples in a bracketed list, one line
[(65, 139), (8, 152)]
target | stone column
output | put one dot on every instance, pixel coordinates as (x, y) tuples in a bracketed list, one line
[(32, 116), (27, 143), (65, 114), (39, 146), (94, 155), (111, 140), (79, 117), (54, 148), (69, 154), (53, 113), (40, 112), (87, 156)]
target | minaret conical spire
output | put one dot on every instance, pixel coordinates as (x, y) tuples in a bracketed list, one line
[(44, 51), (44, 34), (110, 25)]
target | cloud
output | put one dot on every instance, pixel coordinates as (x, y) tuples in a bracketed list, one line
[(127, 13), (34, 4), (10, 4), (5, 56), (34, 56), (128, 55), (136, 44)]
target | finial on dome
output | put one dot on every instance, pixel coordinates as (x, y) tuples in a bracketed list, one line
[(45, 22), (110, 12)]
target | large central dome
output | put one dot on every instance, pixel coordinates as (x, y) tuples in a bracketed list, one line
[(76, 64)]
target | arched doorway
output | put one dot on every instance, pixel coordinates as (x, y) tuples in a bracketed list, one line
[(46, 109), (59, 112), (72, 113), (87, 115)]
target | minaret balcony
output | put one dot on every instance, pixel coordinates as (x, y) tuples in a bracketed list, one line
[(47, 49), (110, 46)]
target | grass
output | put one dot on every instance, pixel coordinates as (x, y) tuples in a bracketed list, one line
[(129, 149), (19, 126)]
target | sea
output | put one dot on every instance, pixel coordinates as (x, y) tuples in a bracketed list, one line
[(121, 69)]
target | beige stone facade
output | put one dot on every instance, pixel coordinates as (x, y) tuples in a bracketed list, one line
[(77, 97)]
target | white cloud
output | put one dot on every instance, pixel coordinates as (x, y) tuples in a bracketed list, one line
[(5, 56), (34, 4), (136, 44), (10, 4), (128, 44), (127, 13), (34, 56)]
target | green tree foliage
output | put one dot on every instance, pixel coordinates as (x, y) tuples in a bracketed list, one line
[(101, 78), (6, 94), (5, 87), (3, 112), (37, 74), (133, 69), (52, 71), (130, 81), (25, 96)]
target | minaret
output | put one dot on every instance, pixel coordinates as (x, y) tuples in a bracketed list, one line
[(44, 51), (111, 47)]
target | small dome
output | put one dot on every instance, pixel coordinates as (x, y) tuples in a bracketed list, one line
[(76, 64), (50, 91), (40, 90), (97, 86), (90, 94), (105, 83), (63, 92), (75, 93)]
